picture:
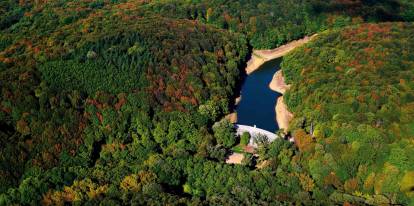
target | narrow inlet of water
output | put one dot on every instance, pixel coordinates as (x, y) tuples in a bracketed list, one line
[(257, 106)]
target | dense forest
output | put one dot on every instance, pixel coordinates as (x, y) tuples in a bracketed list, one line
[(111, 102), (354, 89)]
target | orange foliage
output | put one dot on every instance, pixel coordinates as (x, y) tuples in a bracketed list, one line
[(6, 109), (375, 96), (339, 68), (333, 180), (227, 17), (361, 98), (347, 204), (306, 181), (351, 185), (23, 127), (305, 71), (95, 103), (100, 117), (120, 103), (369, 50), (29, 144), (302, 140), (357, 20), (7, 60), (318, 107), (58, 147)]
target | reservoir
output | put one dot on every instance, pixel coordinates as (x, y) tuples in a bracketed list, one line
[(257, 106)]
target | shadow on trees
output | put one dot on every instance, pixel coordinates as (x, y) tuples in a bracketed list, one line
[(375, 10)]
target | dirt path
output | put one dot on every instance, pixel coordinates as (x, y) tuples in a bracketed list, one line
[(259, 57)]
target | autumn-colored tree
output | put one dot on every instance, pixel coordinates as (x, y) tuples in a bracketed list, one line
[(302, 140)]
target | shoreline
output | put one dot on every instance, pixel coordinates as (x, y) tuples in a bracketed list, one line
[(278, 83), (232, 117), (259, 57), (283, 115)]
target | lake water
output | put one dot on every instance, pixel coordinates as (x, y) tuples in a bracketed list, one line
[(257, 106)]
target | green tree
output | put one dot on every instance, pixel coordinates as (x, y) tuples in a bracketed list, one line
[(245, 138), (224, 132)]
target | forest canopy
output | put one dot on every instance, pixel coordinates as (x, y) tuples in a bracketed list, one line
[(120, 102), (354, 86)]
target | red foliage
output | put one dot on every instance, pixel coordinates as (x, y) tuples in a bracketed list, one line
[(375, 96), (95, 103), (367, 32), (120, 103), (100, 117), (369, 50)]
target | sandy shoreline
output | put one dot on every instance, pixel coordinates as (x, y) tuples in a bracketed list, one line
[(283, 115), (278, 83), (259, 57)]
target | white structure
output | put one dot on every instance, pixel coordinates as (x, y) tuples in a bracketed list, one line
[(253, 132)]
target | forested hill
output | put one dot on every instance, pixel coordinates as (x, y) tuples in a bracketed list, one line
[(118, 102), (355, 87), (267, 23), (270, 23)]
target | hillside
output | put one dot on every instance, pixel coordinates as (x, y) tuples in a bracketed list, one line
[(355, 88), (120, 102)]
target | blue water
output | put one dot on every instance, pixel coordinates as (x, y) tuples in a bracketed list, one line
[(257, 106)]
